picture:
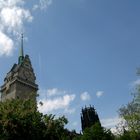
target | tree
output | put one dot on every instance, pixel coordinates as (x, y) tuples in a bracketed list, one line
[(125, 136), (96, 132), (20, 119), (131, 115), (55, 127)]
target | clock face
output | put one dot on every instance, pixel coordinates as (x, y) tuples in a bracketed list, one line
[(27, 74)]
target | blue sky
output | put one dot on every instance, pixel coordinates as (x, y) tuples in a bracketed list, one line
[(83, 52)]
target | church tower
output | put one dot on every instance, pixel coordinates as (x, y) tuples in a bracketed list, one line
[(20, 80), (89, 117)]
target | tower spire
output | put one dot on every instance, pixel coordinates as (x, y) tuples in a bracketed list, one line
[(21, 52)]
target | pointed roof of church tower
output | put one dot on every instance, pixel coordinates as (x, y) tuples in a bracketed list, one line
[(21, 52)]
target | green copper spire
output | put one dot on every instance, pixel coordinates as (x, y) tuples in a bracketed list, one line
[(21, 52)]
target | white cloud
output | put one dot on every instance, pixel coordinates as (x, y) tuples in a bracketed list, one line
[(55, 91), (42, 94), (54, 99), (56, 103), (69, 110), (35, 7), (75, 124), (51, 92), (43, 4), (6, 44), (85, 96), (111, 123), (99, 93), (12, 18), (136, 83)]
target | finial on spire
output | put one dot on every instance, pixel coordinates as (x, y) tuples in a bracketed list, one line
[(21, 52)]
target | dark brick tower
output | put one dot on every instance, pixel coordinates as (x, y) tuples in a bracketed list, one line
[(89, 117)]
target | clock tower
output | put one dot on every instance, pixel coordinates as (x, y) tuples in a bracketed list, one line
[(20, 80)]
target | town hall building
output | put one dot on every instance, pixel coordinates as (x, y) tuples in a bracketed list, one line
[(20, 80)]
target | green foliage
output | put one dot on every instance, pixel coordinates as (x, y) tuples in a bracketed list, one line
[(19, 119), (77, 138), (126, 136), (55, 127), (131, 115), (96, 132)]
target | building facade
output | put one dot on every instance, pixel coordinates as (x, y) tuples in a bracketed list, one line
[(20, 80)]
